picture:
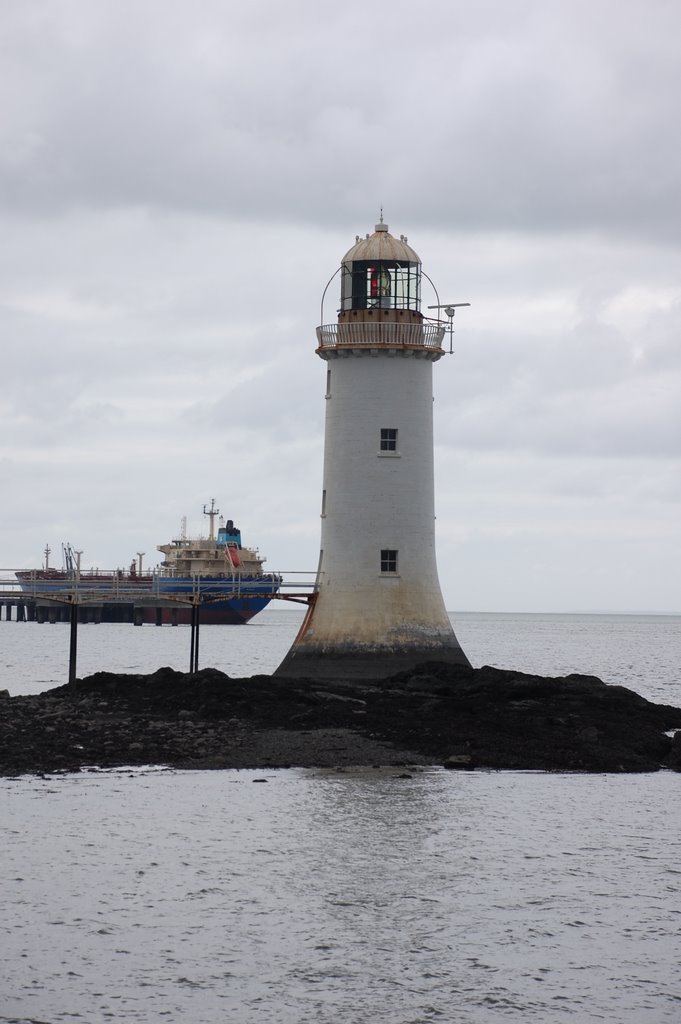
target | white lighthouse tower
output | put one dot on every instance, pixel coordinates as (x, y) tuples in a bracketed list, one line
[(377, 608)]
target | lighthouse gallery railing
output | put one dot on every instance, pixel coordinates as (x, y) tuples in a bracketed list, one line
[(421, 335)]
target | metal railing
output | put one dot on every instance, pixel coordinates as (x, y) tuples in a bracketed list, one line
[(378, 333), (155, 588), (141, 592)]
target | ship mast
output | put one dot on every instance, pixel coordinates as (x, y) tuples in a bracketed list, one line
[(212, 513)]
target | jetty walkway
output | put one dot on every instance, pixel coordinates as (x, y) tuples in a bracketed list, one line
[(118, 597)]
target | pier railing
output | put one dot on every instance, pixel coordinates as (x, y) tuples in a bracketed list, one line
[(85, 590), (118, 587)]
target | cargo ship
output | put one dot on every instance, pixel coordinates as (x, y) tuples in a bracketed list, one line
[(227, 576), (218, 571)]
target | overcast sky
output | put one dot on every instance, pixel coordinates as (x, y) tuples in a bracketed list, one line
[(178, 182)]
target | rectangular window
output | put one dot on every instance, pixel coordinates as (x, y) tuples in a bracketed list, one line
[(388, 560), (388, 439)]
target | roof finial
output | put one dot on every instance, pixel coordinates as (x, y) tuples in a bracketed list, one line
[(381, 226)]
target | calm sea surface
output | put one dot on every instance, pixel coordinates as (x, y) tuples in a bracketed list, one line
[(357, 897)]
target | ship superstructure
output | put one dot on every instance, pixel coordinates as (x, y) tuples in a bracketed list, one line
[(221, 552)]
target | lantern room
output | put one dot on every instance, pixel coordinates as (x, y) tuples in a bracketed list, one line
[(380, 272)]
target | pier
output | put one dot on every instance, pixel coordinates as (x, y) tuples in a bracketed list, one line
[(122, 600)]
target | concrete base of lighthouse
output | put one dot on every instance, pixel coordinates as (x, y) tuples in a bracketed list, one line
[(360, 662), (344, 637)]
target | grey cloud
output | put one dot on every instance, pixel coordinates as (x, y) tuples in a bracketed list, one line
[(551, 117)]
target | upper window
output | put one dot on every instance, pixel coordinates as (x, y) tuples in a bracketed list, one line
[(388, 439), (388, 560)]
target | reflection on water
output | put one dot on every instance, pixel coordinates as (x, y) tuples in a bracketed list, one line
[(354, 897)]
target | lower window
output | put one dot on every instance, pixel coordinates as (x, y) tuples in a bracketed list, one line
[(388, 439)]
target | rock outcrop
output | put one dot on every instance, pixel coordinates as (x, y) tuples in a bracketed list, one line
[(457, 716)]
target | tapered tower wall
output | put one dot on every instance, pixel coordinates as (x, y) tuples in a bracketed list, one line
[(376, 500)]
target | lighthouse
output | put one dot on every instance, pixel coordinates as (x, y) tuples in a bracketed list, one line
[(377, 608)]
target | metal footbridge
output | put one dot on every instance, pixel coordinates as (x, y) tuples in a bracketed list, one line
[(77, 600)]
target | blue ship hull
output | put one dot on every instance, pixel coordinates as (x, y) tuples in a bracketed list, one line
[(248, 596)]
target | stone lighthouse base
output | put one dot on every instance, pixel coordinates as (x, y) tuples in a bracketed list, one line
[(364, 661)]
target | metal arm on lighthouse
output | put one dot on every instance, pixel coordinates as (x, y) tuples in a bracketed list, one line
[(450, 309)]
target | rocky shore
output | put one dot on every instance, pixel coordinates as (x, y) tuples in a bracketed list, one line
[(454, 716)]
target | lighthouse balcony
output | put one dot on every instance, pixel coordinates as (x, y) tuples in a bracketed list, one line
[(381, 333)]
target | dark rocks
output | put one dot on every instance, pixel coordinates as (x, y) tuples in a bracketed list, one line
[(454, 715)]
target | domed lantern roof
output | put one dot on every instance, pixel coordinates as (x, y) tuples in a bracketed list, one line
[(381, 246), (380, 272)]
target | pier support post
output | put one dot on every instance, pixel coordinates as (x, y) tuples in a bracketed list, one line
[(73, 644), (194, 642)]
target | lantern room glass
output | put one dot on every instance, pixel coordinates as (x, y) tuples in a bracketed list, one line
[(380, 284)]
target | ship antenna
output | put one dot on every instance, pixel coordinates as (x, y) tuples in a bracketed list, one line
[(211, 512)]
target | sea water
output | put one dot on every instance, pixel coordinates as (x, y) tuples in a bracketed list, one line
[(344, 897), (639, 651)]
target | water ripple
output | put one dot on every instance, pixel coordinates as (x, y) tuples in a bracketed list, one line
[(341, 897)]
